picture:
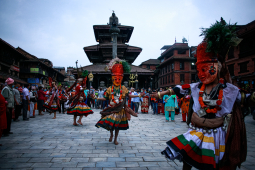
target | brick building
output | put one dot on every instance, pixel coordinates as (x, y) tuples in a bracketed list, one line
[(150, 64), (177, 66), (241, 59), (25, 68), (10, 61)]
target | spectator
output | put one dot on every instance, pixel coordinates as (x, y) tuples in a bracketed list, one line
[(106, 102), (7, 93), (135, 100), (154, 104), (32, 102), (3, 120), (61, 94), (41, 98), (25, 101), (100, 95), (17, 102)]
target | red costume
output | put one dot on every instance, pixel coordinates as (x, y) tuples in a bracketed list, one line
[(3, 120)]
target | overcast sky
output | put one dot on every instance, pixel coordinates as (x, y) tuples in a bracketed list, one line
[(59, 29)]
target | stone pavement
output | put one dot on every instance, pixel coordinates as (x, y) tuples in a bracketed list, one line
[(43, 143)]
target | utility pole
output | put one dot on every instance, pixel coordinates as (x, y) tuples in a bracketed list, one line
[(114, 30)]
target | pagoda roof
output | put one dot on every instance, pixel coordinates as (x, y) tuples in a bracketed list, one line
[(102, 31), (100, 68), (151, 62), (102, 53)]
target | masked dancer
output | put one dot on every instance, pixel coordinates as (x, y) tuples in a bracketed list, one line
[(77, 102), (52, 103), (116, 116), (216, 138)]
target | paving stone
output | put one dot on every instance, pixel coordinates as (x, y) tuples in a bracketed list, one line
[(135, 159), (148, 164), (58, 155), (64, 165), (44, 143), (105, 164), (88, 164), (127, 155), (43, 160), (97, 159), (140, 168), (60, 160), (22, 165), (79, 160), (126, 165), (116, 159), (41, 165), (154, 159), (48, 168)]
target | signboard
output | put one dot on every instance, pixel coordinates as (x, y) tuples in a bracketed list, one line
[(15, 68), (33, 80), (43, 72), (34, 70)]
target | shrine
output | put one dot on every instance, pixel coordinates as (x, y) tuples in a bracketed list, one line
[(112, 42)]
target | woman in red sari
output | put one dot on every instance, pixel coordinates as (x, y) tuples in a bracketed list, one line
[(3, 120)]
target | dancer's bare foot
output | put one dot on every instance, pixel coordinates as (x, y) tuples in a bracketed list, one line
[(54, 118), (110, 139), (79, 122), (75, 124), (115, 142)]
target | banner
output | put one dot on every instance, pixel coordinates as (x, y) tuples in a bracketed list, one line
[(15, 68), (34, 70)]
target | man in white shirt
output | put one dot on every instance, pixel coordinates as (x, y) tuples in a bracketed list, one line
[(25, 101)]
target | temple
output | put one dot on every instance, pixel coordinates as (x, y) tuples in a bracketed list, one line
[(101, 54)]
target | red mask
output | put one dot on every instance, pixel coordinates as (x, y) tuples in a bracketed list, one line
[(116, 80), (207, 72)]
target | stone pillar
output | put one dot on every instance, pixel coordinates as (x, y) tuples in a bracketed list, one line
[(114, 44)]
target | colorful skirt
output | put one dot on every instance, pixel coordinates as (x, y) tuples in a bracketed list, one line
[(81, 109), (114, 121), (202, 151), (52, 108), (145, 105)]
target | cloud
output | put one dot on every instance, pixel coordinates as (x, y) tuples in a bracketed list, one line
[(59, 29)]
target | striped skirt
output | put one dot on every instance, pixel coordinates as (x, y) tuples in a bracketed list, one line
[(81, 109), (114, 121), (202, 151), (52, 108)]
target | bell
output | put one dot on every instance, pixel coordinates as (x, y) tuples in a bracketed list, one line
[(209, 131), (204, 131), (223, 128), (214, 130)]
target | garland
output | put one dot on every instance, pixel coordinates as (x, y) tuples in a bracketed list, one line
[(207, 109), (113, 95)]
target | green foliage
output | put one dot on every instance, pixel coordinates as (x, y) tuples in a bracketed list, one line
[(219, 37), (126, 67), (85, 73)]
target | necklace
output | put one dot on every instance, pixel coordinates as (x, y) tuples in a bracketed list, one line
[(219, 101), (113, 94)]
